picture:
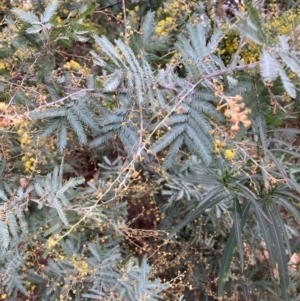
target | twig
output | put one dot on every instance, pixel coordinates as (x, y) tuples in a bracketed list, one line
[(61, 100), (99, 10), (124, 16)]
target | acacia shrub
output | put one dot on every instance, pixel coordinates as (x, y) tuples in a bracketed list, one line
[(189, 171)]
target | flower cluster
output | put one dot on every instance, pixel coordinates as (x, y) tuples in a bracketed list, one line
[(281, 23), (51, 242), (165, 26), (132, 15), (250, 52), (72, 65), (2, 64), (127, 35), (2, 107), (233, 107), (25, 144), (229, 154), (236, 112), (8, 118), (218, 145), (230, 44), (81, 266), (170, 14), (218, 148), (276, 23), (175, 59)]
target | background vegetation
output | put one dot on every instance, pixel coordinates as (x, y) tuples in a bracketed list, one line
[(149, 150)]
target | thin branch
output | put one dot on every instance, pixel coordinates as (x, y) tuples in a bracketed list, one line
[(61, 100), (99, 10), (124, 15)]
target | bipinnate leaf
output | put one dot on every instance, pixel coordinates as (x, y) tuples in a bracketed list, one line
[(4, 235), (49, 11), (26, 16), (287, 84), (269, 66)]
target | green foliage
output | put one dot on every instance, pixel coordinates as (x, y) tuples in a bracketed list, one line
[(144, 173)]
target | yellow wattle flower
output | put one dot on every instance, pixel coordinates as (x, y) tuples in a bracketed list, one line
[(229, 154)]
